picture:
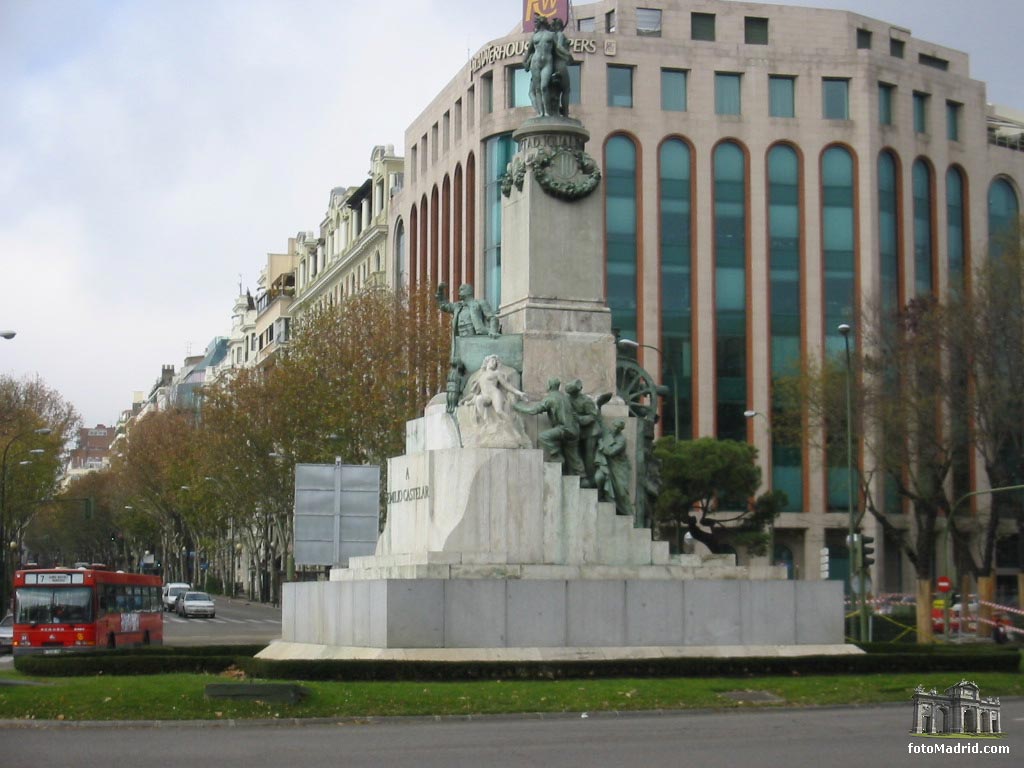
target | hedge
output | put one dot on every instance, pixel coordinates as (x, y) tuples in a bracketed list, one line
[(880, 658), (374, 670)]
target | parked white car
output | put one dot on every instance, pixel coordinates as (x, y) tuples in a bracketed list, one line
[(171, 592), (196, 604)]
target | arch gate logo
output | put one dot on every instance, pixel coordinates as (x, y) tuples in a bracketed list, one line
[(959, 712)]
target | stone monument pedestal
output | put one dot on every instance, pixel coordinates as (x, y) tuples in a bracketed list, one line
[(494, 553), (552, 287)]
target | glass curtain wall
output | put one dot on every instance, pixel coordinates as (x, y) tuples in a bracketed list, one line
[(839, 261), (888, 233), (620, 167), (675, 165), (924, 273), (730, 243), (498, 152), (784, 233), (956, 233)]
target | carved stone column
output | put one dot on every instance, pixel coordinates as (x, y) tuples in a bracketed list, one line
[(553, 282)]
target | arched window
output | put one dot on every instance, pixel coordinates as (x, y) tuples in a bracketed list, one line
[(414, 275), (730, 252), (471, 219), (784, 251), (499, 151), (421, 271), (457, 268), (675, 168), (621, 233), (446, 231), (924, 217), (956, 229), (401, 257), (888, 233), (838, 252), (1003, 216), (838, 242), (435, 229)]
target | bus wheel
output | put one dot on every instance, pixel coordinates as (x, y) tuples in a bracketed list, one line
[(111, 643)]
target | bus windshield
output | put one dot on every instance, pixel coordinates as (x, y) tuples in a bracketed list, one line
[(54, 605)]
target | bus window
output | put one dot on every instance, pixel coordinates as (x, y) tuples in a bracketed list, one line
[(49, 605)]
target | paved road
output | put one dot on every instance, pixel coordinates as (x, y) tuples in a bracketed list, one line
[(237, 621), (835, 738)]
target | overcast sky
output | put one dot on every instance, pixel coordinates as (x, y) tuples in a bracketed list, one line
[(153, 151)]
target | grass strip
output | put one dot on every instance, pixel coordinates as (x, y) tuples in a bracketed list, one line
[(181, 696)]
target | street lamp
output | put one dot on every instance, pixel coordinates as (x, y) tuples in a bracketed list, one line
[(675, 380), (8, 334), (855, 567)]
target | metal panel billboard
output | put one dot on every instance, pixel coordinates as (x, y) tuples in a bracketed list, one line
[(337, 512)]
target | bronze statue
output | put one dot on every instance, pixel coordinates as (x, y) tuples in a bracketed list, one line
[(590, 429), (613, 468), (561, 442), (548, 57), (470, 317)]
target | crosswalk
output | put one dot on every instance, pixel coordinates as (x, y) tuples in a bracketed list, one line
[(219, 620)]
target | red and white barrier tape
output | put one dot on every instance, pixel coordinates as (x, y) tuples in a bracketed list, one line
[(1002, 608)]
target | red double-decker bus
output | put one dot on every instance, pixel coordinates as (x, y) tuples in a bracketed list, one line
[(78, 609)]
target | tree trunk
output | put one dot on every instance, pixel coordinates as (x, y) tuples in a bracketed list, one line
[(924, 612), (986, 593), (1020, 590)]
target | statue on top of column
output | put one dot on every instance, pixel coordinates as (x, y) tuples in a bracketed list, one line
[(548, 57)]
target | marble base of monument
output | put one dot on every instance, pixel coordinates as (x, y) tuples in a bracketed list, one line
[(425, 613)]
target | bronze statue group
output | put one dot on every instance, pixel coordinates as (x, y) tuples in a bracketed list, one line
[(578, 438)]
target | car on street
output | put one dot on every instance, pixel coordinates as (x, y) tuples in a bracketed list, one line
[(196, 604), (7, 634), (171, 592)]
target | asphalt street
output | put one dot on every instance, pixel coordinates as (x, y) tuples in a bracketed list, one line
[(794, 738)]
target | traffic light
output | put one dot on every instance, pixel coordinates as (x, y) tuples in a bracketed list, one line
[(853, 542), (866, 551)]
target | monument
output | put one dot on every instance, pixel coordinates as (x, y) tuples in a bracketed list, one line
[(510, 527)]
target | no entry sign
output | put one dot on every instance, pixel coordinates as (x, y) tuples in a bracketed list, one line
[(944, 584)]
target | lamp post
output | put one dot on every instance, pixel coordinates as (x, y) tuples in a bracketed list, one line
[(844, 331), (8, 334), (42, 431), (675, 380), (752, 414)]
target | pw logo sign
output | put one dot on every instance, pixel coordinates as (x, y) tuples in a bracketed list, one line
[(548, 9)]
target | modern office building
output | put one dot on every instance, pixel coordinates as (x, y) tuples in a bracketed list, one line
[(769, 171)]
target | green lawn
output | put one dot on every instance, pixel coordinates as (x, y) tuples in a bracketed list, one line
[(181, 696)]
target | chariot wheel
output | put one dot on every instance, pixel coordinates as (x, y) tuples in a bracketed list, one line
[(637, 388)]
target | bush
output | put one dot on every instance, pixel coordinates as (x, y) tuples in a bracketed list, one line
[(889, 661), (149, 660), (880, 658)]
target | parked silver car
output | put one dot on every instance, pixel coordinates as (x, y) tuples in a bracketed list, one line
[(196, 604)]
